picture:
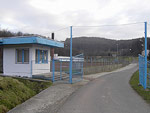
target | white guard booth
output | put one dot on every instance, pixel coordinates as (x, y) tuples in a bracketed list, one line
[(27, 56)]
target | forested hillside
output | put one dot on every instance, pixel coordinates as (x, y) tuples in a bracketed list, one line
[(93, 46), (96, 46)]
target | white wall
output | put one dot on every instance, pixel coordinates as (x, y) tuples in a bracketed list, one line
[(10, 67)]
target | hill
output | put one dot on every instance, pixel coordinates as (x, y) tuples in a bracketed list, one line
[(96, 46)]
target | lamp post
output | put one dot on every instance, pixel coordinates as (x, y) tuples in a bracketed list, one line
[(142, 45), (131, 54)]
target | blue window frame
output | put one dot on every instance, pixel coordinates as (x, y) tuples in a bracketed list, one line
[(22, 56), (41, 56)]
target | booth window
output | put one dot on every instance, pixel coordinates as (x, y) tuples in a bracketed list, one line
[(22, 56), (41, 56)]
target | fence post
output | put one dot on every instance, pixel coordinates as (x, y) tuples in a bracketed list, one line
[(82, 69), (53, 69), (60, 69), (140, 70), (91, 61), (70, 66), (145, 76)]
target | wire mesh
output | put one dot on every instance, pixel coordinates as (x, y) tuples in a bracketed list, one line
[(142, 70), (148, 63), (61, 69), (77, 67), (148, 74), (105, 47)]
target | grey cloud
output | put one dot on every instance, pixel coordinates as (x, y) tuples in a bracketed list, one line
[(29, 19)]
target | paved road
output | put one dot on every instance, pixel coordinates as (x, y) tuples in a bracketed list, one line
[(107, 94)]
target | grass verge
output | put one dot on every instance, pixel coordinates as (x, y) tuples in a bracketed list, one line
[(14, 91), (134, 82), (99, 69)]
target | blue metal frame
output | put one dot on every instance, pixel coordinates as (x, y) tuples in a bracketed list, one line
[(145, 77), (47, 56), (70, 66), (143, 64), (43, 61), (61, 70), (82, 71), (31, 40), (22, 52), (142, 70), (53, 70), (38, 56)]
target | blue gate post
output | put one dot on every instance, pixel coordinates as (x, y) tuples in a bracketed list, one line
[(82, 70), (53, 69), (70, 66), (145, 76), (140, 70), (61, 69)]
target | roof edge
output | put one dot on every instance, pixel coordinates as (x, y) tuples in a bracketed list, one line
[(31, 40)]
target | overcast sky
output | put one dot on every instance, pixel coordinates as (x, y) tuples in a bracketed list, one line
[(45, 16)]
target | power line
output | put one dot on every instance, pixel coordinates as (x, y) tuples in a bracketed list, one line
[(61, 29), (55, 31), (113, 25), (95, 26)]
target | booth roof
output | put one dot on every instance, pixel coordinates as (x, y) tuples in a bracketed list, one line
[(31, 40)]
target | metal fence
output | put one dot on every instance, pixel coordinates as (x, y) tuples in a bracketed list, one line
[(101, 61), (144, 74), (94, 65), (61, 69), (148, 74), (142, 77), (77, 68)]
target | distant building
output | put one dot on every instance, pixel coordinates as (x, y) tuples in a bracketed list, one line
[(66, 58)]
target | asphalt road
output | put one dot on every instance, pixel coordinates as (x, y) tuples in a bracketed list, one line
[(108, 94)]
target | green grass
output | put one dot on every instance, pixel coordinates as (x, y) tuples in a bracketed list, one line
[(134, 82), (99, 69), (14, 91)]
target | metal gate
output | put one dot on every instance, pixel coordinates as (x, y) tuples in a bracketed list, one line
[(61, 69), (148, 74), (142, 75), (144, 79)]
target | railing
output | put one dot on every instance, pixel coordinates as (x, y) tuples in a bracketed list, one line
[(60, 69), (148, 74), (142, 70), (144, 80)]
